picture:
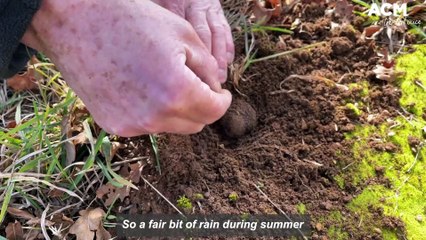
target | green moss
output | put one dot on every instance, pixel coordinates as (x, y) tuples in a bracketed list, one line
[(361, 87), (414, 66), (301, 208), (233, 197), (354, 109), (198, 196), (340, 181), (184, 203), (337, 234), (336, 223), (389, 235), (405, 198)]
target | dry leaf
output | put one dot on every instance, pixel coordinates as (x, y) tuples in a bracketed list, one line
[(112, 193), (416, 9), (14, 231), (37, 221), (386, 74), (33, 234), (22, 82), (81, 138), (135, 172), (20, 213), (372, 31), (276, 6), (261, 14), (89, 222), (11, 124), (69, 147), (56, 193), (115, 146)]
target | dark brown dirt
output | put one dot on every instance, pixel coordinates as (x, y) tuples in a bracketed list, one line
[(287, 137)]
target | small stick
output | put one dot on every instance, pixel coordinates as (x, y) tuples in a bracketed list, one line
[(277, 207), (43, 222)]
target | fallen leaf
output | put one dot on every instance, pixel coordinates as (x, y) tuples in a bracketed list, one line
[(68, 146), (56, 193), (23, 82), (115, 146), (261, 14), (386, 74), (27, 80), (416, 9), (37, 221), (20, 213), (371, 31), (33, 234), (89, 222), (11, 124), (14, 231), (135, 172), (276, 5), (81, 138), (112, 193)]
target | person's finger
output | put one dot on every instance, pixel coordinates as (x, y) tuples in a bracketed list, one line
[(204, 65), (218, 42), (198, 20), (122, 130), (230, 47), (171, 125), (204, 105)]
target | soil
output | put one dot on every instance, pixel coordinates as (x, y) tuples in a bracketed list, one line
[(284, 134)]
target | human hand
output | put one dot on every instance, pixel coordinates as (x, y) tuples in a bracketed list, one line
[(208, 20), (138, 68)]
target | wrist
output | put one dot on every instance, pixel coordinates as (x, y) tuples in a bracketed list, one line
[(47, 23)]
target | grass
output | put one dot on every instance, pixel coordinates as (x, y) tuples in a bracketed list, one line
[(38, 155)]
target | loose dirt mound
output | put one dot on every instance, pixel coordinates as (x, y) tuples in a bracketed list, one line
[(285, 135)]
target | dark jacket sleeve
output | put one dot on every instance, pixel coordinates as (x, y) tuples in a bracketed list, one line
[(15, 17)]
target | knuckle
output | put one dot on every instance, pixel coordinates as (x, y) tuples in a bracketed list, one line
[(202, 29)]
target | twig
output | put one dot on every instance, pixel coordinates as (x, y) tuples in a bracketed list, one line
[(43, 222), (419, 149), (286, 52), (161, 195), (277, 207)]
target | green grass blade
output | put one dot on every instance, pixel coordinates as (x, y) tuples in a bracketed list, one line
[(362, 3), (6, 201), (106, 149), (95, 149), (271, 28)]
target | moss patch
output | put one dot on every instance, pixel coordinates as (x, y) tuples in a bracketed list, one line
[(404, 196), (414, 82), (301, 208)]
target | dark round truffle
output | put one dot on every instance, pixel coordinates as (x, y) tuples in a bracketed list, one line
[(240, 119)]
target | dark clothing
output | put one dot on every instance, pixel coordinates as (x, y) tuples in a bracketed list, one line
[(15, 17)]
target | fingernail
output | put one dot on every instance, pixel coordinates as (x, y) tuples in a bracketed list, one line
[(222, 75)]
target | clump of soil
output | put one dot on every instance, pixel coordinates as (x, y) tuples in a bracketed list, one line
[(341, 45), (239, 119)]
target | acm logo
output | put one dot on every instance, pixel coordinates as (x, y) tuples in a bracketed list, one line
[(388, 9)]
